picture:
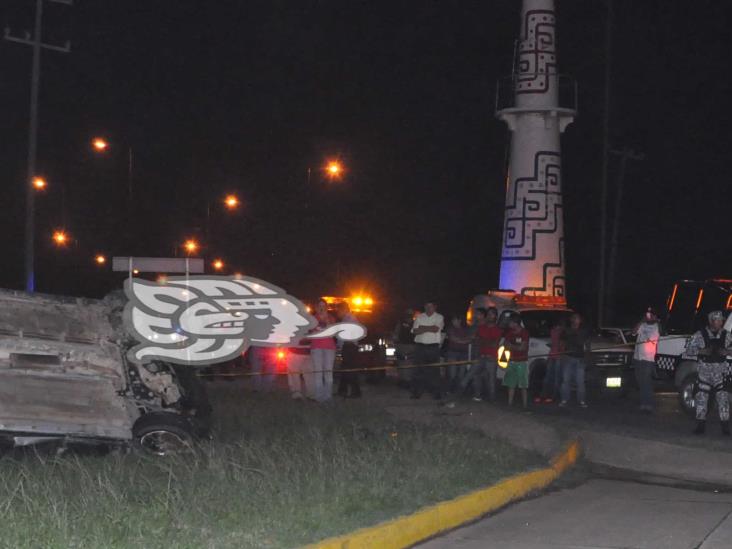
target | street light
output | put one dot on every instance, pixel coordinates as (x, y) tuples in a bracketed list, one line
[(60, 237), (334, 169), (190, 246), (100, 144), (100, 259), (39, 183), (231, 201), (218, 264)]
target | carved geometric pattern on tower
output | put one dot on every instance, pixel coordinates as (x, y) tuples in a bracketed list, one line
[(551, 272), (537, 56), (534, 207)]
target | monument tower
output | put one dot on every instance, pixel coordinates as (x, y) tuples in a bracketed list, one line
[(537, 104)]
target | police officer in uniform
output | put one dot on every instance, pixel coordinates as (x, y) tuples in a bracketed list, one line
[(711, 345)]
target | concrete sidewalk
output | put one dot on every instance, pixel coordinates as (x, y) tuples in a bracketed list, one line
[(604, 514), (635, 453), (658, 459)]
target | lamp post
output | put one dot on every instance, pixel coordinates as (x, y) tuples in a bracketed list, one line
[(231, 202), (101, 145), (334, 170), (36, 42)]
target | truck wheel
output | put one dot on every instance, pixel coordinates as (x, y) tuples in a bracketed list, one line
[(687, 395), (163, 434)]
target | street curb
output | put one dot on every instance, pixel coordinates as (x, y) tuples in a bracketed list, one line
[(430, 521)]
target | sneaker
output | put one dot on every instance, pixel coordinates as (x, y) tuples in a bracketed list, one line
[(548, 400), (583, 404), (477, 399), (563, 404)]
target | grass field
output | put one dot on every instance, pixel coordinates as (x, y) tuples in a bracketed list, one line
[(278, 474)]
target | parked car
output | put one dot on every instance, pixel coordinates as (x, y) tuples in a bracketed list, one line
[(65, 378)]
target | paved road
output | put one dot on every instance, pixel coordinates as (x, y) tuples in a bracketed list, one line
[(604, 514)]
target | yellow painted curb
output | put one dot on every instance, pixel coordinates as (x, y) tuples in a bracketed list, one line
[(406, 531)]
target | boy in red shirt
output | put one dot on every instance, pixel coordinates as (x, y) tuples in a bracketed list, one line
[(516, 340)]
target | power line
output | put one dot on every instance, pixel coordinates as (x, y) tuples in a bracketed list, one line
[(36, 42)]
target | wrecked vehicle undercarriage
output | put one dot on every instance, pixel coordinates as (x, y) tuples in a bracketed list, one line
[(64, 377)]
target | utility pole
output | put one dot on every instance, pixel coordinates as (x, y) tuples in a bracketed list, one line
[(36, 42), (625, 154), (605, 165)]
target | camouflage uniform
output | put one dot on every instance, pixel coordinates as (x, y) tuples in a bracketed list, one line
[(711, 370)]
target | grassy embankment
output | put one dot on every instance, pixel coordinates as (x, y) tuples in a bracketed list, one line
[(278, 474)]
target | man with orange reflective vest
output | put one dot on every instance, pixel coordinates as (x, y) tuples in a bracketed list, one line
[(711, 345), (516, 340)]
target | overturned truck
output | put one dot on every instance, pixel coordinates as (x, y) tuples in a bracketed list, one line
[(64, 377)]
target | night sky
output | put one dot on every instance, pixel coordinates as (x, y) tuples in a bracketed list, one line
[(246, 97)]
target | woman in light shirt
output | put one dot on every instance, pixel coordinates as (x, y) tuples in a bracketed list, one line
[(323, 352)]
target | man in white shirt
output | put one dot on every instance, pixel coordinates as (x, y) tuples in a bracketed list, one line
[(427, 330), (644, 358)]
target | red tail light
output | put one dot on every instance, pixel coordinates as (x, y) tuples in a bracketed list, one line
[(280, 356)]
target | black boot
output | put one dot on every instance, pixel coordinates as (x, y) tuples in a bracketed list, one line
[(725, 428), (701, 426)]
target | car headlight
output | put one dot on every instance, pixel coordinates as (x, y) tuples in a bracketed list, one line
[(365, 348)]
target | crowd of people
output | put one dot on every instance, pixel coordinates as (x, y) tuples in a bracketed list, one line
[(470, 356)]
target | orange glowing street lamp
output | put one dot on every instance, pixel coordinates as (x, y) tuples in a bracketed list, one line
[(218, 264), (100, 144), (60, 237), (39, 183), (334, 169), (231, 201), (191, 246), (100, 259)]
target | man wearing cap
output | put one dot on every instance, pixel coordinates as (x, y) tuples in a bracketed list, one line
[(711, 345)]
